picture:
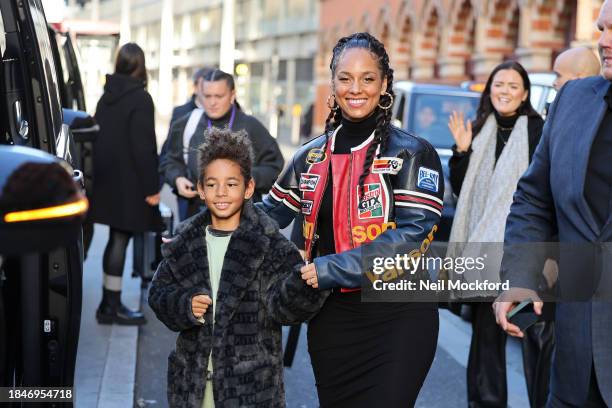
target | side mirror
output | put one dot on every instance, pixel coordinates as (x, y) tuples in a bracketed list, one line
[(41, 206)]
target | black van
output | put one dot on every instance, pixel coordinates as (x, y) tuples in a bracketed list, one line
[(41, 261)]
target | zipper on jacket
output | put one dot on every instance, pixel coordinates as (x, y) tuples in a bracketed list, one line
[(348, 207), (315, 236)]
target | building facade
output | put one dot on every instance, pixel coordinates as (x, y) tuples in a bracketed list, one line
[(454, 40), (283, 47), (275, 46)]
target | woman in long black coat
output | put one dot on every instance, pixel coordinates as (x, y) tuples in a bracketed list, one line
[(126, 188)]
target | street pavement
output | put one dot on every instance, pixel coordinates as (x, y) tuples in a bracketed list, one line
[(126, 366), (106, 362)]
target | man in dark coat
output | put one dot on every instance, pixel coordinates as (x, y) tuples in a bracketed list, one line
[(267, 164), (567, 190), (222, 111)]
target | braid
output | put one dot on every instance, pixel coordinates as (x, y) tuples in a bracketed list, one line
[(385, 101), (331, 123)]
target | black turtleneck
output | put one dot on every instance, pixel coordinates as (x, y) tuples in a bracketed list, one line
[(505, 124), (459, 162), (351, 134)]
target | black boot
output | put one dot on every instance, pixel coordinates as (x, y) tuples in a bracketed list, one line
[(111, 310)]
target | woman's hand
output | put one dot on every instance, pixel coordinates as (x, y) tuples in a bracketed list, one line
[(309, 275), (199, 305), (153, 200), (461, 133)]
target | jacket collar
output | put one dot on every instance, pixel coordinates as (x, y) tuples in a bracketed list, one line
[(354, 149)]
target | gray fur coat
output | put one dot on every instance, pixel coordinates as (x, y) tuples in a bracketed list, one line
[(260, 289)]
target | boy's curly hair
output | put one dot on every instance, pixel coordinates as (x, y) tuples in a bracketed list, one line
[(225, 144)]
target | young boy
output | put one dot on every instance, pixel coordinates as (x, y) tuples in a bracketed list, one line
[(228, 281)]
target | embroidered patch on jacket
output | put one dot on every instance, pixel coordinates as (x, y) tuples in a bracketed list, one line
[(387, 165), (428, 179), (370, 203), (308, 181), (315, 156), (306, 207)]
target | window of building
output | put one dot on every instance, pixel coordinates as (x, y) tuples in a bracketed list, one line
[(304, 69), (240, 20), (257, 69), (272, 9), (282, 70), (297, 8)]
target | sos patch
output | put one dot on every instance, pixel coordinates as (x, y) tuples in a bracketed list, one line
[(370, 202)]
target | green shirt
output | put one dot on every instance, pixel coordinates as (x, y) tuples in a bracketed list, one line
[(216, 246)]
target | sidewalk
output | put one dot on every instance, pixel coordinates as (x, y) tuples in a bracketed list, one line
[(106, 357)]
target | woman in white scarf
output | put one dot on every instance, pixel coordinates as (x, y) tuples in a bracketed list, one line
[(489, 157)]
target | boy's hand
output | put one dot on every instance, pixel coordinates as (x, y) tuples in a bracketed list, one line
[(199, 305), (309, 275)]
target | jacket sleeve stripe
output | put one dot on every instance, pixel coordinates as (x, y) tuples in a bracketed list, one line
[(296, 209), (418, 194), (404, 197), (274, 196), (285, 199), (287, 191), (415, 205)]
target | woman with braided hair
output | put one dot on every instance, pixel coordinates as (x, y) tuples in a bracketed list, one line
[(361, 183)]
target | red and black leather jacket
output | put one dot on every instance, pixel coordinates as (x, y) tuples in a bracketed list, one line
[(402, 200)]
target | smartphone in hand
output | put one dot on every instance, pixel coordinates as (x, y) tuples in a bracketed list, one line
[(523, 315)]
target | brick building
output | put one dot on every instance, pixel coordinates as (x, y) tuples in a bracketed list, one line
[(454, 40)]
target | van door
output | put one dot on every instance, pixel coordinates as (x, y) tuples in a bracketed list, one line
[(43, 289)]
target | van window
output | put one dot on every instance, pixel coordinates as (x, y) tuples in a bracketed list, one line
[(536, 97), (48, 65), (4, 135), (552, 93), (2, 37), (398, 110), (430, 113)]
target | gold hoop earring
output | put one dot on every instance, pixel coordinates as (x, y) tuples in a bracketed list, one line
[(335, 106), (390, 103)]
